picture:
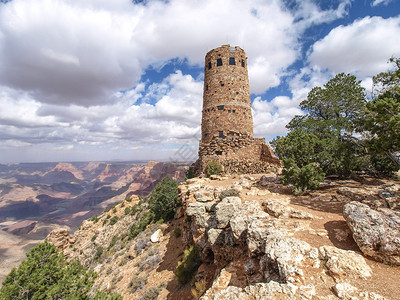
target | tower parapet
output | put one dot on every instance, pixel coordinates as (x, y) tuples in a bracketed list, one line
[(227, 122)]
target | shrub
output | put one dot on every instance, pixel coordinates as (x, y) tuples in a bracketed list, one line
[(113, 242), (94, 238), (134, 209), (163, 199), (229, 193), (199, 288), (189, 174), (304, 178), (140, 226), (188, 265), (177, 232), (113, 220), (99, 253), (152, 293), (100, 295), (45, 274), (137, 283), (114, 210), (127, 210), (94, 219), (213, 168)]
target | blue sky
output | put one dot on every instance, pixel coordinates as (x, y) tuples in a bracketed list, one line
[(123, 80)]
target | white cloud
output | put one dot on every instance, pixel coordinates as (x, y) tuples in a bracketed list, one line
[(70, 71), (379, 2), (66, 52), (271, 117), (361, 48), (308, 13)]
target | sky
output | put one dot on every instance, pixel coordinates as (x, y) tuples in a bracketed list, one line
[(100, 80)]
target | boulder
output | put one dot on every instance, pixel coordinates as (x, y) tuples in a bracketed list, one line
[(59, 238), (346, 291), (155, 237), (376, 232), (270, 290), (225, 210), (344, 263), (287, 255)]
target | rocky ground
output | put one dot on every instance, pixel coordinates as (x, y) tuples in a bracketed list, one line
[(257, 241)]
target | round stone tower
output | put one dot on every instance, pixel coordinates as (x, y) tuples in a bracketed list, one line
[(226, 97), (227, 122)]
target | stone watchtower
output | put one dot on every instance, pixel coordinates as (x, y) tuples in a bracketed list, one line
[(227, 122), (226, 96)]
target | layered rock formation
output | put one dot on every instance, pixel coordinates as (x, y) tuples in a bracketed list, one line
[(256, 240)]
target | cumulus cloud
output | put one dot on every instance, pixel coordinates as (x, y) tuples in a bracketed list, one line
[(361, 48), (71, 72), (66, 52), (380, 2), (308, 13)]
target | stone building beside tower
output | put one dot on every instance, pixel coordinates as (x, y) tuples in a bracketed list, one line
[(227, 122)]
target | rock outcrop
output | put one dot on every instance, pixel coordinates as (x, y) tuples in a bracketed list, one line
[(254, 248), (376, 232)]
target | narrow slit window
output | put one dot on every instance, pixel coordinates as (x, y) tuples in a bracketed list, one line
[(220, 134), (242, 62), (207, 87), (206, 135), (209, 65), (232, 61), (219, 62), (218, 152), (220, 107)]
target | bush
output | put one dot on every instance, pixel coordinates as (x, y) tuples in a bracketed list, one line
[(152, 292), (113, 220), (140, 226), (213, 168), (177, 232), (99, 253), (304, 178), (163, 199), (189, 174), (189, 265), (127, 210), (113, 242), (100, 295), (45, 274), (199, 288)]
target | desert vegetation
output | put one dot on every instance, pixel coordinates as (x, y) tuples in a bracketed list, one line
[(343, 132)]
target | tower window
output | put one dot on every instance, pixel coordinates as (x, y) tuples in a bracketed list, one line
[(234, 110), (222, 84), (209, 65), (206, 135), (220, 134), (229, 111), (206, 87), (231, 60), (242, 62), (220, 107), (218, 152), (219, 62)]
